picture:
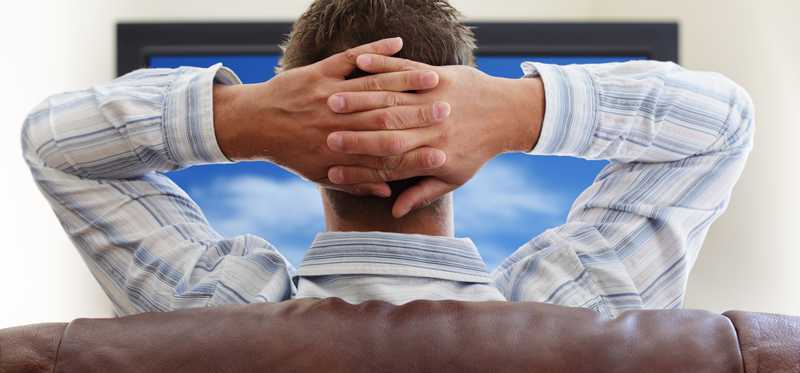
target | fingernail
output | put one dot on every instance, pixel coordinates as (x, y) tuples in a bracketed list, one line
[(441, 110), (336, 103), (436, 158), (335, 142), (430, 79), (364, 60), (335, 175)]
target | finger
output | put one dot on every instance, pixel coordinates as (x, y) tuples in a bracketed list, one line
[(351, 102), (401, 81), (357, 160), (342, 64), (417, 162), (394, 118), (382, 63), (366, 189), (381, 143), (420, 195)]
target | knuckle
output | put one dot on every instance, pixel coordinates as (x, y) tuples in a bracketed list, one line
[(386, 120), (423, 114), (391, 163), (395, 145), (316, 74), (391, 100), (350, 55), (374, 162), (372, 84), (383, 175), (320, 92), (401, 65)]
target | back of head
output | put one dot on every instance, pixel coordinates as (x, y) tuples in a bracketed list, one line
[(431, 32)]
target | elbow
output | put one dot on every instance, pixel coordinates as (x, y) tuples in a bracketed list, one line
[(739, 127), (31, 135), (37, 139)]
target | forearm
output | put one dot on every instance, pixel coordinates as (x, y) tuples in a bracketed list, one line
[(640, 112), (149, 120)]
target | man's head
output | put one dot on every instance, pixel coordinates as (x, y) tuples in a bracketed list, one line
[(432, 34)]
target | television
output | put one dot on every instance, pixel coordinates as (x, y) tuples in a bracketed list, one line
[(512, 199)]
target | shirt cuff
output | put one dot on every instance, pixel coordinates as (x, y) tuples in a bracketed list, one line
[(571, 114), (188, 121)]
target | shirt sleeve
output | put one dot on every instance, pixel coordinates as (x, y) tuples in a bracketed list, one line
[(677, 141), (98, 156)]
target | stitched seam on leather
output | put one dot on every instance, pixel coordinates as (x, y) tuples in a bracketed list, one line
[(58, 349), (738, 342)]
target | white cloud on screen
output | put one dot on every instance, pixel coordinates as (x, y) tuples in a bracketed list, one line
[(260, 204), (501, 198), (285, 212)]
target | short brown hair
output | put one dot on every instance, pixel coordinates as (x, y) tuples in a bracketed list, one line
[(432, 33)]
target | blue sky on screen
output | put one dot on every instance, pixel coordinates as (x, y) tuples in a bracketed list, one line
[(512, 199)]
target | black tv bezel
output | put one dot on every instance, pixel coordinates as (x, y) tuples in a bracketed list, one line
[(136, 42)]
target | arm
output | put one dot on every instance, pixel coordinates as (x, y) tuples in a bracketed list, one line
[(677, 141), (97, 155)]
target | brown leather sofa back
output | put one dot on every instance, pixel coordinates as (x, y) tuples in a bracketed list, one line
[(30, 349), (423, 336), (769, 343)]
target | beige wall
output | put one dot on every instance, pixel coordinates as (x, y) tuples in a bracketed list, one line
[(748, 260)]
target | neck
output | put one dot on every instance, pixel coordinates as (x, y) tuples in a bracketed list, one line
[(431, 221)]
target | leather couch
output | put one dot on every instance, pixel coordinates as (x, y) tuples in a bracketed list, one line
[(331, 335)]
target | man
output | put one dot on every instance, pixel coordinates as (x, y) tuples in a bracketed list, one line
[(677, 141)]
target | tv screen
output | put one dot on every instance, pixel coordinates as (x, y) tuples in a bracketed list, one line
[(509, 201)]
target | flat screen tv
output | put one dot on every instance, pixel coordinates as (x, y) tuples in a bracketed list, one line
[(511, 200)]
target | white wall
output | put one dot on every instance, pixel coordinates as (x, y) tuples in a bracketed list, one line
[(47, 46), (748, 260)]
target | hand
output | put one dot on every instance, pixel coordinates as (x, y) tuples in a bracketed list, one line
[(286, 120), (489, 116)]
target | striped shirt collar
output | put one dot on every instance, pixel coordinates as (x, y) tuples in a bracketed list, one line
[(381, 253)]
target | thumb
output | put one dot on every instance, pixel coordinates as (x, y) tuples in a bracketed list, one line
[(420, 195)]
